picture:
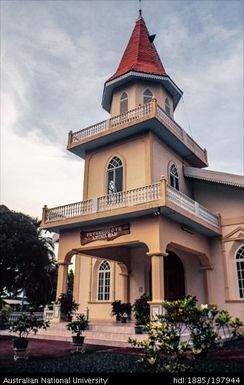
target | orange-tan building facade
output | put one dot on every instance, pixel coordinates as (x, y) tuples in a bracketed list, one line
[(152, 218)]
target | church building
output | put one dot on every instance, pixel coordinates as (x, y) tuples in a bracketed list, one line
[(153, 219)]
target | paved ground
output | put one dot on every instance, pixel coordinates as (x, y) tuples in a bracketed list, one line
[(42, 349)]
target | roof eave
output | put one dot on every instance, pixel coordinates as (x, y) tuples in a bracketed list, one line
[(214, 177), (166, 81)]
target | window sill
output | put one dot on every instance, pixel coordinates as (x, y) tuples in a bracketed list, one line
[(100, 302), (240, 300)]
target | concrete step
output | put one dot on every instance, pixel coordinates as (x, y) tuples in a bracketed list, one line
[(120, 328), (107, 334)]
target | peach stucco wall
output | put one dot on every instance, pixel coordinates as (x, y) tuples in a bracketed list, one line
[(135, 92), (145, 159), (133, 155), (162, 158), (139, 269), (156, 234), (88, 277), (220, 198)]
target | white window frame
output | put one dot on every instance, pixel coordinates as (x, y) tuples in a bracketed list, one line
[(240, 270), (167, 106), (124, 98), (114, 164), (148, 97), (104, 281), (173, 173)]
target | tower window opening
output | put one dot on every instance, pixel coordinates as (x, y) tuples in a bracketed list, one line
[(167, 106), (124, 103), (114, 175), (174, 178), (147, 96)]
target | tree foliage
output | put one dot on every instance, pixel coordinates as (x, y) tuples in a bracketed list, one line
[(26, 258), (184, 328)]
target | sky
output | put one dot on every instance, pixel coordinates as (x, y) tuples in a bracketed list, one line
[(55, 58)]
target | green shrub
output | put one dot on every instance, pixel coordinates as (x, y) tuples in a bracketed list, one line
[(67, 304), (236, 324), (78, 325), (164, 349), (27, 323), (141, 310), (121, 310)]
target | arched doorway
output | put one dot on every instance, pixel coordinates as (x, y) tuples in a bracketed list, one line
[(174, 277)]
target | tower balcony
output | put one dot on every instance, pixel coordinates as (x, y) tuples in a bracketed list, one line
[(157, 198), (147, 117)]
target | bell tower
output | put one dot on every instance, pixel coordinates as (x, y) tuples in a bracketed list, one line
[(139, 77), (136, 145)]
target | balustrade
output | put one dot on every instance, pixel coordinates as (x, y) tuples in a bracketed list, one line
[(146, 110), (16, 315), (180, 133), (129, 198), (192, 206), (132, 115), (108, 202), (69, 211)]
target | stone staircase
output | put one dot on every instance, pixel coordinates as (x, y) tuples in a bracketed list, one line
[(105, 333)]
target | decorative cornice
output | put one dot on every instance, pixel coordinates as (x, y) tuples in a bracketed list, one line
[(239, 232), (146, 76)]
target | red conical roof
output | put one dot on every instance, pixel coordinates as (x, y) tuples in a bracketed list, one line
[(140, 54)]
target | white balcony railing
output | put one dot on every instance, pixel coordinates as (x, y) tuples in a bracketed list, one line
[(123, 199), (69, 211), (108, 202), (191, 206), (116, 121), (16, 315), (148, 110), (129, 198)]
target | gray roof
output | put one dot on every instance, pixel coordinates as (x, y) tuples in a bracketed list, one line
[(214, 176)]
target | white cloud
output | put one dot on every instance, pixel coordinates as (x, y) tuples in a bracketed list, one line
[(34, 172)]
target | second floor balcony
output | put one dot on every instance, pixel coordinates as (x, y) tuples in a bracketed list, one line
[(156, 198), (148, 116)]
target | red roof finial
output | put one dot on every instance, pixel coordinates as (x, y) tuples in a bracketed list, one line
[(140, 54)]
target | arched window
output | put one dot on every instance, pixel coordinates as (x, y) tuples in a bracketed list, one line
[(167, 106), (124, 103), (240, 270), (174, 179), (147, 96), (114, 175), (103, 293)]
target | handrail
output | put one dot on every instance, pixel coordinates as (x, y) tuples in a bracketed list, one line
[(178, 131), (115, 121), (107, 202), (188, 204), (151, 109), (128, 198)]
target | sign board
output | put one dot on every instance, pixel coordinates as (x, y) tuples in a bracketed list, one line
[(106, 233)]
